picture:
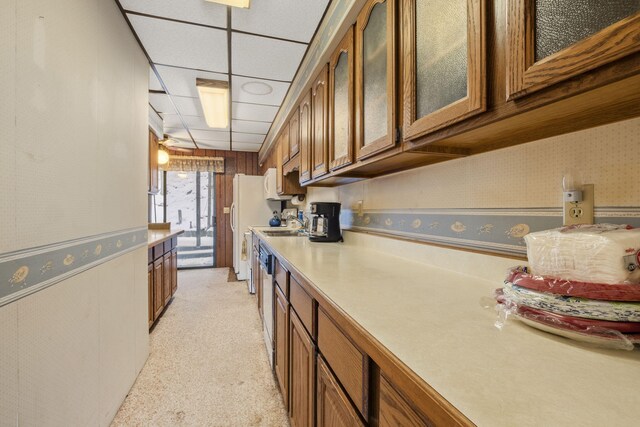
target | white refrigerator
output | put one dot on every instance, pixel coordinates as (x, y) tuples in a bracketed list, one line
[(249, 208)]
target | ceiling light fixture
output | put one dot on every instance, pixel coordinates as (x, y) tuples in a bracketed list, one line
[(214, 97), (163, 157), (235, 3)]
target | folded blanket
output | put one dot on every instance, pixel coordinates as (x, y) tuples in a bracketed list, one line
[(572, 306), (601, 253), (572, 288)]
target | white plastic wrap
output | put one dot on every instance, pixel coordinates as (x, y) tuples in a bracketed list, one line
[(601, 253)]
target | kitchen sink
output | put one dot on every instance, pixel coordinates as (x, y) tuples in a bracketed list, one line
[(282, 233)]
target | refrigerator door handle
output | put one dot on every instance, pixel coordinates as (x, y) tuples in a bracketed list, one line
[(266, 185), (233, 215)]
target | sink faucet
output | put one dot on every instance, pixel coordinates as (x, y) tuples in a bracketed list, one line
[(303, 224)]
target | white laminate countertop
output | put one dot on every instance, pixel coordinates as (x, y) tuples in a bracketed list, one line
[(156, 236), (434, 321)]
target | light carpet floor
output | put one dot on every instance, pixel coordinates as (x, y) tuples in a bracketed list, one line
[(207, 364)]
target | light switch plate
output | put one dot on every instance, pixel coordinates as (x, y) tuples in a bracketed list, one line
[(580, 212)]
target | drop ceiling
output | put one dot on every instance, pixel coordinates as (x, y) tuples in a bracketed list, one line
[(258, 50)]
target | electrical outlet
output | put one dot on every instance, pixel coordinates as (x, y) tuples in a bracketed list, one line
[(580, 212)]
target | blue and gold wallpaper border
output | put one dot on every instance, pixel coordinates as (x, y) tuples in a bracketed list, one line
[(27, 271), (499, 231)]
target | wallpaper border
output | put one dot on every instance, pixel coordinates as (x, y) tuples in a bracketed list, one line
[(500, 231), (30, 270)]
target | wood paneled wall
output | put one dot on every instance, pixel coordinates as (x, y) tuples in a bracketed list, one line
[(234, 162)]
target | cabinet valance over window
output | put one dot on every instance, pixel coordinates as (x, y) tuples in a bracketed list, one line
[(194, 164)]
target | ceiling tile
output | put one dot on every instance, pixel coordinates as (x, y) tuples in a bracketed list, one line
[(192, 122), (181, 143), (247, 137), (161, 103), (183, 45), (177, 133), (245, 146), (210, 135), (198, 11), (188, 106), (250, 126), (154, 83), (289, 19), (258, 91), (266, 58), (182, 82), (260, 113), (212, 145)]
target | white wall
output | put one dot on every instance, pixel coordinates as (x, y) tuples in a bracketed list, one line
[(524, 176), (73, 164)]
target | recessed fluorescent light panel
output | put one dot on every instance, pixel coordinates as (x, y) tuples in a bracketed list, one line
[(235, 3), (214, 97)]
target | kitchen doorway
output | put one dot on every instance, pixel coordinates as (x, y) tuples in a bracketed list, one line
[(187, 200)]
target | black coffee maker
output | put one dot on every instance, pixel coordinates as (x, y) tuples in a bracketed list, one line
[(325, 222)]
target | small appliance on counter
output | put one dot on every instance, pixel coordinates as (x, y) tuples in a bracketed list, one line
[(275, 220), (325, 222)]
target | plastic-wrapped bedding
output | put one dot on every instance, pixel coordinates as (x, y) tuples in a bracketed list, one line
[(601, 253), (572, 306), (618, 292)]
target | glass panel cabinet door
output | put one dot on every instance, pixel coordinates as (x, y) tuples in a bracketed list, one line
[(294, 133), (341, 104), (375, 78), (320, 109), (554, 40), (305, 138), (443, 43)]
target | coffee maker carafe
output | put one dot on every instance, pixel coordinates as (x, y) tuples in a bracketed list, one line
[(325, 222)]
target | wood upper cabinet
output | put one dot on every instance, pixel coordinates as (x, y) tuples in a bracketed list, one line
[(294, 133), (320, 108), (281, 338), (443, 49), (279, 162), (341, 104), (284, 143), (375, 78), (551, 41), (153, 163), (302, 372), (306, 136), (332, 404)]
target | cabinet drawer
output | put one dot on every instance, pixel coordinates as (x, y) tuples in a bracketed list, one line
[(282, 275), (302, 303), (158, 251), (150, 256), (350, 365), (167, 245)]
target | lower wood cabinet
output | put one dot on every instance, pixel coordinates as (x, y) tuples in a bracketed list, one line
[(332, 405), (330, 376), (166, 279), (281, 347), (150, 290), (302, 373), (162, 276), (395, 410), (158, 281), (174, 271)]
